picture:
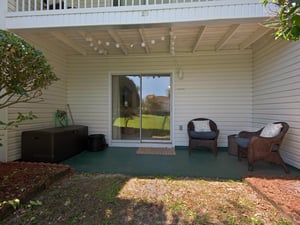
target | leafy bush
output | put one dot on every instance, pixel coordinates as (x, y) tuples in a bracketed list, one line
[(24, 73)]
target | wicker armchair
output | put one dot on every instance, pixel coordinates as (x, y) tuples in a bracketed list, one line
[(207, 138), (255, 147)]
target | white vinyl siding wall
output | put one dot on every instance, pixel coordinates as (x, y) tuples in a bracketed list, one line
[(276, 93), (214, 85), (53, 98)]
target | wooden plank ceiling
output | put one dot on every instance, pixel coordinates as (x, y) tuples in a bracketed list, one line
[(150, 41)]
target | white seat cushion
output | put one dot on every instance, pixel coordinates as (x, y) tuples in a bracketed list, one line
[(201, 125), (271, 130)]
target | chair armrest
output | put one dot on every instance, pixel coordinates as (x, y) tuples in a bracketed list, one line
[(263, 144)]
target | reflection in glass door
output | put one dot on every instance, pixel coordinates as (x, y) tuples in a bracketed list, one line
[(141, 107)]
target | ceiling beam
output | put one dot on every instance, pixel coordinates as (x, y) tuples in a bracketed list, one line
[(144, 41), (200, 35), (260, 32), (61, 37), (82, 34), (227, 36), (116, 39)]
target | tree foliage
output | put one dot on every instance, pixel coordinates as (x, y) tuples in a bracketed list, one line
[(287, 20), (24, 71)]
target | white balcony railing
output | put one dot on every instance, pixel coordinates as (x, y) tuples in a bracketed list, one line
[(22, 14), (45, 5)]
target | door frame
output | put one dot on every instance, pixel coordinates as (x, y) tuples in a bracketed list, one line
[(138, 143)]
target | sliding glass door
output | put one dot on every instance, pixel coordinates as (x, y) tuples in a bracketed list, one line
[(141, 107)]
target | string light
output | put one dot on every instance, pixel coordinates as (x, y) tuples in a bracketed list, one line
[(103, 51)]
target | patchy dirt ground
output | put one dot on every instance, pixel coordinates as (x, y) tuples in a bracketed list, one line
[(23, 180), (282, 192), (116, 199)]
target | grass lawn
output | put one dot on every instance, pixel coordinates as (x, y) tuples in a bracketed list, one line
[(148, 122)]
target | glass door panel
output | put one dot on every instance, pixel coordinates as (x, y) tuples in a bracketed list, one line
[(126, 107), (141, 107), (155, 113)]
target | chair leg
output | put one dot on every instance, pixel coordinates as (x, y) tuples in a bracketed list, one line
[(276, 158), (190, 147), (250, 167), (239, 154), (215, 151), (286, 170)]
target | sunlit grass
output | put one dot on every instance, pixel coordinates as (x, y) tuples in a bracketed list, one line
[(148, 122)]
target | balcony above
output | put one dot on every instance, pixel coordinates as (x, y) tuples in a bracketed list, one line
[(23, 14)]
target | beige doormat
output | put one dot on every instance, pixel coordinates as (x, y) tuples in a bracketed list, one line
[(156, 151)]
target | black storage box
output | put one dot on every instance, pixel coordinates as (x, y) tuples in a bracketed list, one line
[(53, 144)]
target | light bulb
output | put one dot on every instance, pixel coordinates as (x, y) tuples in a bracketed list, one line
[(153, 42), (143, 44), (107, 43), (99, 42), (117, 45)]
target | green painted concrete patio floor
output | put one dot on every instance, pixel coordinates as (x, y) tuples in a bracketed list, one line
[(201, 163)]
